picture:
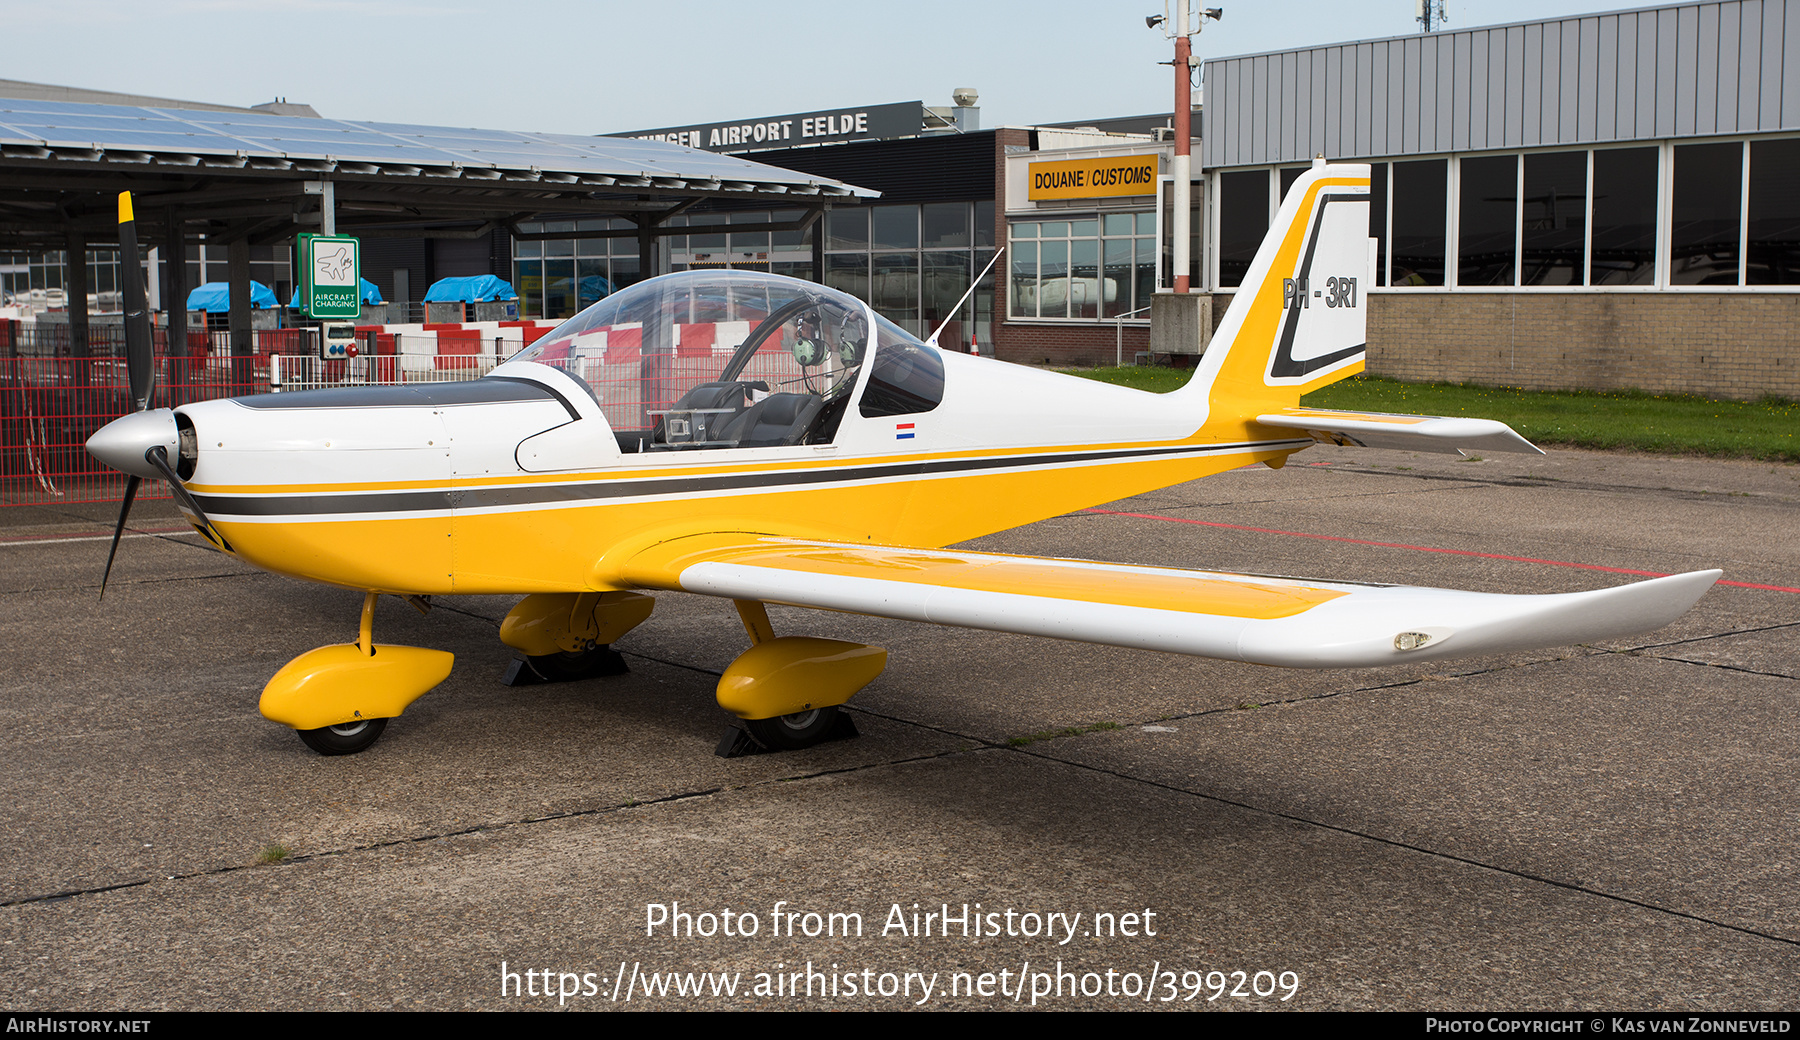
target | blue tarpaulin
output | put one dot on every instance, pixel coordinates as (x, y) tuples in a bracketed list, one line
[(216, 297), (370, 294), (594, 287), (474, 289)]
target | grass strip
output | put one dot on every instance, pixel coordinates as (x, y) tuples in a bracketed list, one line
[(1667, 424)]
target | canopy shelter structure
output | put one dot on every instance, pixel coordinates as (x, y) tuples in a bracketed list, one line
[(246, 177)]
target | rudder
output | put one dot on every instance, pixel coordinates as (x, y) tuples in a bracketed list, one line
[(1298, 321)]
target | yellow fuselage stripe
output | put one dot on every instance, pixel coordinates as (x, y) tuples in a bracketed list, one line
[(565, 548)]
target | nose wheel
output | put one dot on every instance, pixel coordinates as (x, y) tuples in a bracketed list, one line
[(346, 739)]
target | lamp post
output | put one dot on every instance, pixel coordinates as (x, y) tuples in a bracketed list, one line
[(1184, 74)]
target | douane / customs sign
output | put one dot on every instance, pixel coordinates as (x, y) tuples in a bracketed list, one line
[(1094, 178)]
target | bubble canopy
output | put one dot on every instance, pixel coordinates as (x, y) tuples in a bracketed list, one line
[(738, 359)]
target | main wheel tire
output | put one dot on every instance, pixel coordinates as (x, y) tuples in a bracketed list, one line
[(802, 729), (346, 739)]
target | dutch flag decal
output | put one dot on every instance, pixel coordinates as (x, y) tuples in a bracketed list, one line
[(903, 431)]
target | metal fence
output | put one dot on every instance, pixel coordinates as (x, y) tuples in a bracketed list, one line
[(310, 372), (46, 340), (50, 406)]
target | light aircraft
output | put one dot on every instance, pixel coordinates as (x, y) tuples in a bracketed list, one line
[(769, 440)]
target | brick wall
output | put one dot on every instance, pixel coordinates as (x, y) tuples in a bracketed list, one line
[(1739, 345), (1068, 345)]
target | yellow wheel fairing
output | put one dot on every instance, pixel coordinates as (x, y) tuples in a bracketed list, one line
[(791, 674), (334, 685), (551, 623)]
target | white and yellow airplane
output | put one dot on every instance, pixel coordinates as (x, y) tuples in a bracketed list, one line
[(769, 440)]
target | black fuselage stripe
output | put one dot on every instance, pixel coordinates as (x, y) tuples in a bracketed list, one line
[(437, 500)]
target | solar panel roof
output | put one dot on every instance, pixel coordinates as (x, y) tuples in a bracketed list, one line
[(125, 133)]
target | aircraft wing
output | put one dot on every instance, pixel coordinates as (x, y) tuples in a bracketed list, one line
[(1408, 432), (1243, 617)]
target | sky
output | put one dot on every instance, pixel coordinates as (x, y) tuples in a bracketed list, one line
[(568, 66)]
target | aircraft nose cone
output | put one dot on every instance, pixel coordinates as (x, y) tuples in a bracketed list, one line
[(122, 443)]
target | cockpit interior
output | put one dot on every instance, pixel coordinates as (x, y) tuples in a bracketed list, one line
[(721, 359)]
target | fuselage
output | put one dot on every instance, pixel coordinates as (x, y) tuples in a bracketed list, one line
[(517, 483)]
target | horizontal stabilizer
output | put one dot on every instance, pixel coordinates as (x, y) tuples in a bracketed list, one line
[(1263, 620), (1405, 432)]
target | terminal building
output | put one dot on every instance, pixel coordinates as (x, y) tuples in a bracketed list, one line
[(1084, 254), (1599, 201)]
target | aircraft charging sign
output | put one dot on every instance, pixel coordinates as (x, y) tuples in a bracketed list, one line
[(333, 280)]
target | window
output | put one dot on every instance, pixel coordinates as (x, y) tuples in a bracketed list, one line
[(1488, 221), (1703, 231), (1088, 267), (1378, 211), (907, 377), (1243, 221), (1773, 254), (555, 278), (1418, 222), (1554, 218), (1624, 207), (712, 359), (1129, 242), (847, 229), (1730, 216), (912, 263)]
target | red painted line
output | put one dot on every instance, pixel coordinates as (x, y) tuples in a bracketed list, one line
[(1423, 548)]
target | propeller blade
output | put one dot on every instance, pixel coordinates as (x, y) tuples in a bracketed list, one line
[(140, 365), (131, 490), (140, 349), (158, 457)]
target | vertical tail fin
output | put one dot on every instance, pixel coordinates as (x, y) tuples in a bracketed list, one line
[(1298, 320)]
